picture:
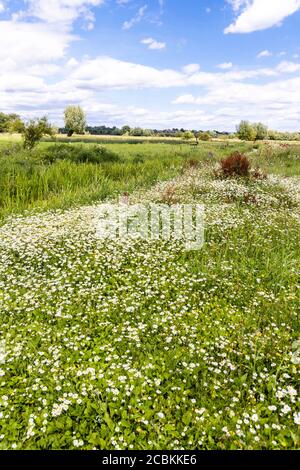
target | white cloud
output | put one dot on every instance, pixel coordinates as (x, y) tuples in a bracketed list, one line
[(276, 103), (136, 19), (59, 12), (2, 7), (30, 43), (261, 14), (225, 65), (264, 53), (191, 68), (288, 67), (153, 44), (38, 77), (237, 4), (107, 72)]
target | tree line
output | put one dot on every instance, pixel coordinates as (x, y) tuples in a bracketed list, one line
[(76, 123)]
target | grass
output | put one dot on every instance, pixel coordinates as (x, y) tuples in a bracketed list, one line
[(144, 345), (29, 182)]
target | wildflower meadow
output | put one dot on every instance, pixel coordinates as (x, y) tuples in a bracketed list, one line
[(142, 344)]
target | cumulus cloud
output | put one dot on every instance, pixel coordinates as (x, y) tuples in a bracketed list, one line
[(191, 68), (276, 103), (225, 65), (30, 43), (59, 12), (153, 44), (39, 77), (258, 15), (225, 95)]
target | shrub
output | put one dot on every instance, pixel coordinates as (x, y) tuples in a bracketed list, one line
[(188, 136), (79, 154), (204, 136), (34, 131), (246, 131), (237, 164)]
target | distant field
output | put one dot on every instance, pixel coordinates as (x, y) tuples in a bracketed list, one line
[(97, 139)]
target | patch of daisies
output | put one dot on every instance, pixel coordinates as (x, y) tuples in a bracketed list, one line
[(143, 345)]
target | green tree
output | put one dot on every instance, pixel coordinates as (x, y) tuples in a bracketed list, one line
[(137, 132), (188, 135), (15, 126), (246, 131), (261, 131), (6, 120), (125, 130), (75, 120), (204, 136), (35, 130)]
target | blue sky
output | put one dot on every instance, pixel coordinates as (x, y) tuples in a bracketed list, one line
[(202, 64)]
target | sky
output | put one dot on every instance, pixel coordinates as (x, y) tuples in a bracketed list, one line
[(198, 64)]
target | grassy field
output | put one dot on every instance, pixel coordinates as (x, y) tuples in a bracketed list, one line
[(137, 344), (34, 181)]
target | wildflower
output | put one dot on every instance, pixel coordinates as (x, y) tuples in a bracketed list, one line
[(297, 418), (78, 443)]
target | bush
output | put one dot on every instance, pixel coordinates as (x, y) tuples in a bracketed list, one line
[(237, 164), (204, 136), (34, 131), (246, 131), (79, 154)]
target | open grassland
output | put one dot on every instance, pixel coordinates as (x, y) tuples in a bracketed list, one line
[(140, 344), (49, 177)]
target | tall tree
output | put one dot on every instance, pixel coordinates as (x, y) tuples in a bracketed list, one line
[(246, 131), (75, 120)]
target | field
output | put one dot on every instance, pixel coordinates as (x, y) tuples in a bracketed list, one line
[(141, 344)]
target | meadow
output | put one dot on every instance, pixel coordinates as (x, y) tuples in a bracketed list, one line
[(134, 344)]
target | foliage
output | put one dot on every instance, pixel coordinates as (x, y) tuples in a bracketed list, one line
[(188, 135), (204, 136), (79, 154), (7, 121), (246, 131), (16, 126), (236, 164), (252, 131), (34, 130), (75, 120), (261, 131), (125, 130)]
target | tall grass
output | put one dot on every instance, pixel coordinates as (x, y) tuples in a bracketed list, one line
[(32, 181), (27, 181)]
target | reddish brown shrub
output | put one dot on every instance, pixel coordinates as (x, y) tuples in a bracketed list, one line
[(236, 164)]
